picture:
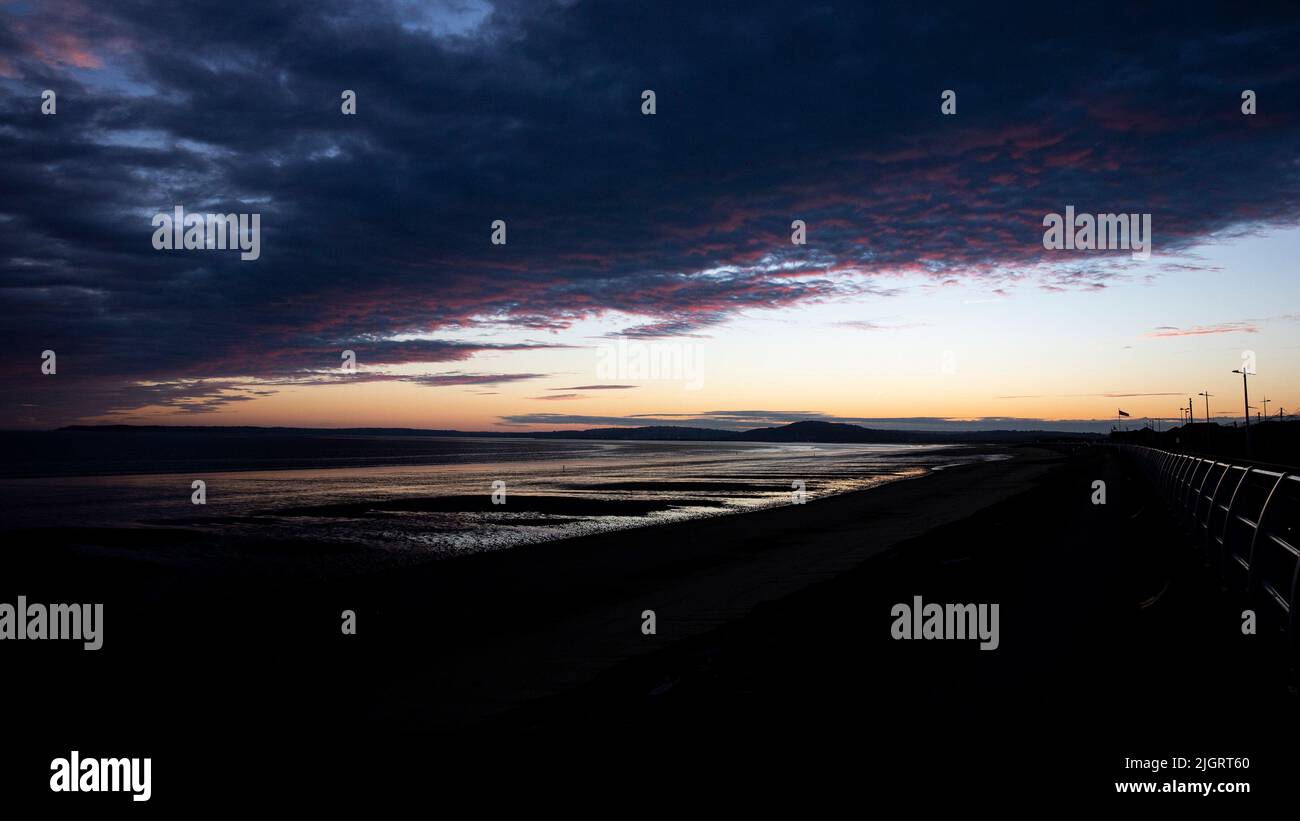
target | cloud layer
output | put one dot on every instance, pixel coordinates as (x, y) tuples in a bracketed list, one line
[(376, 226)]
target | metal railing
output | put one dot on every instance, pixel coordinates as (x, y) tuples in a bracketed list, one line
[(1245, 521)]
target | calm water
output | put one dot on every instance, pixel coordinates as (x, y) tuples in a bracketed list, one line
[(442, 505)]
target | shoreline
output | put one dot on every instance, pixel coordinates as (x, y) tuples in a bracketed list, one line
[(770, 624), (211, 455), (226, 543), (448, 644), (696, 575)]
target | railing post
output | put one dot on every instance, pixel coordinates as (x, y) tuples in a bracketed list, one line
[(1253, 575), (1208, 541), (1293, 606), (1222, 540), (1200, 490)]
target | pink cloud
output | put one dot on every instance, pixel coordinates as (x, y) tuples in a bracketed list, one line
[(1243, 326)]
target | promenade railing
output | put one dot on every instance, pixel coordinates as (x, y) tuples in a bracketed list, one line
[(1245, 521)]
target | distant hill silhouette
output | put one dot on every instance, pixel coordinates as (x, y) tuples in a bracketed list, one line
[(810, 431), (86, 450), (834, 432)]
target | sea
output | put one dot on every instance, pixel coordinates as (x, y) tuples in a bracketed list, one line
[(422, 496)]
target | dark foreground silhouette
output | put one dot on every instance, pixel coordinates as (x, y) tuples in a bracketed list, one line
[(772, 664)]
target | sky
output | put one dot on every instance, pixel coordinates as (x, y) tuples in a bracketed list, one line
[(648, 274)]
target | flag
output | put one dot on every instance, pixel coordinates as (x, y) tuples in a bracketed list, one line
[(1122, 413)]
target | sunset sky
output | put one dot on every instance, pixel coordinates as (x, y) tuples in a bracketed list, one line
[(923, 298)]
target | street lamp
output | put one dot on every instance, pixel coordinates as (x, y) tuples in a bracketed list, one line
[(1245, 393), (1207, 396)]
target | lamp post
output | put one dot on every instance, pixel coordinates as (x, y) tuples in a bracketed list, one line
[(1207, 396), (1245, 395), (1191, 414)]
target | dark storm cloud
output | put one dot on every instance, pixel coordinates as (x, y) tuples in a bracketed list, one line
[(111, 397), (473, 378), (377, 225)]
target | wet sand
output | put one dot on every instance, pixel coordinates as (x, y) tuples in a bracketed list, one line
[(579, 603), (448, 643)]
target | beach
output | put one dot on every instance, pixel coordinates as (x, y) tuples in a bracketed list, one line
[(775, 622), (1117, 645), (492, 630)]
